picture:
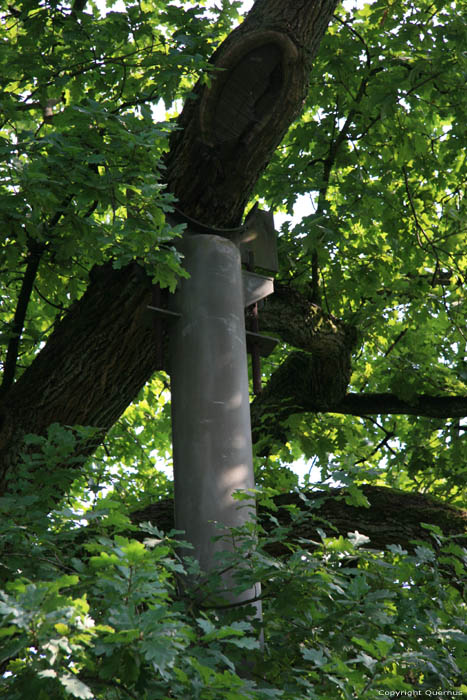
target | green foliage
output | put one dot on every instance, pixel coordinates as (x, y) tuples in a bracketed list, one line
[(81, 149), (379, 156), (104, 616), (93, 607), (359, 623)]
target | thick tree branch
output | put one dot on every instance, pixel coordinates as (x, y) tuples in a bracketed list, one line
[(231, 131), (317, 380), (393, 517), (305, 382), (299, 386), (35, 251), (387, 404), (86, 374), (298, 321)]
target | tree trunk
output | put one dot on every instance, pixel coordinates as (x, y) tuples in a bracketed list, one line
[(86, 374), (101, 354)]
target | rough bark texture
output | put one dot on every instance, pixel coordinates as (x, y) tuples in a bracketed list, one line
[(317, 378), (86, 374), (230, 132), (292, 315), (394, 517)]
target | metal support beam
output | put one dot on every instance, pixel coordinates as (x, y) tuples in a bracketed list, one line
[(210, 399), (256, 287)]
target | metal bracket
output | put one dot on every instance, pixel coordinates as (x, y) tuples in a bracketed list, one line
[(264, 343), (256, 287), (258, 244)]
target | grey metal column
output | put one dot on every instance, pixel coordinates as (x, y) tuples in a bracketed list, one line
[(210, 400)]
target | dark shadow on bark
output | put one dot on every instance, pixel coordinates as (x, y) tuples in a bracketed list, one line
[(394, 517)]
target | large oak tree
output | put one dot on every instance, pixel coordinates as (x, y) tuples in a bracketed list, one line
[(349, 124), (73, 167)]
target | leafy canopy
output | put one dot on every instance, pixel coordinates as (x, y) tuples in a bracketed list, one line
[(87, 610), (378, 160)]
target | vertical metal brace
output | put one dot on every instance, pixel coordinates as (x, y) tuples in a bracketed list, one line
[(255, 352), (258, 249)]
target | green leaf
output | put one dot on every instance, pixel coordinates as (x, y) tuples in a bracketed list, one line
[(316, 656), (75, 687), (356, 497)]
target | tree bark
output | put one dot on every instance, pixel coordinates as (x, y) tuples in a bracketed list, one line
[(86, 374), (301, 385), (101, 354), (393, 517), (230, 132)]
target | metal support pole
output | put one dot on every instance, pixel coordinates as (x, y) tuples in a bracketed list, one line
[(210, 399)]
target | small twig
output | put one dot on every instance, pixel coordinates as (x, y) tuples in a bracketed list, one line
[(394, 342), (382, 443), (59, 307), (419, 228)]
